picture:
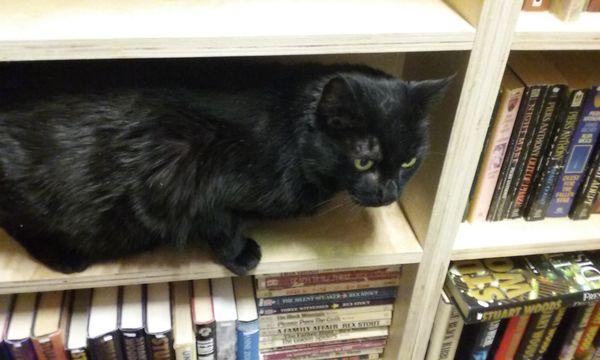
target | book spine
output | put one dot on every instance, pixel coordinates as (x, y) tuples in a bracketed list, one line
[(532, 339), (160, 346), (284, 282), (495, 211), (264, 277), (579, 153), (531, 99), (543, 189), (536, 5), (247, 340), (549, 335), (293, 339), (512, 338), (205, 341), (78, 354), (327, 326), (265, 293), (575, 331), (538, 148), (484, 340), (134, 345), (493, 155), (440, 324), (452, 336), (21, 350), (106, 347), (51, 347), (323, 306), (332, 344), (585, 348), (323, 349), (536, 306), (226, 340), (318, 318), (350, 354), (299, 300), (582, 204), (523, 145)]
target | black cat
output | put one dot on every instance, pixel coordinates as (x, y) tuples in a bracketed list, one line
[(121, 160)]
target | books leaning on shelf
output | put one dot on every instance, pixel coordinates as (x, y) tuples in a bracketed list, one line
[(541, 157), (326, 314), (527, 307)]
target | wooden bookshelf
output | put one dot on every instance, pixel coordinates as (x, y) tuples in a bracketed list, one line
[(73, 29), (440, 33), (339, 237), (520, 237), (544, 31)]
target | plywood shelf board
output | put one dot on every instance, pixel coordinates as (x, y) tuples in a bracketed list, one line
[(544, 31), (339, 237), (520, 237), (73, 29)]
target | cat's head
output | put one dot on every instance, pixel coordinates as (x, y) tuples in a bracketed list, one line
[(370, 133)]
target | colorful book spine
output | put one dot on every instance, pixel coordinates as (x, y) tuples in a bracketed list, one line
[(575, 332), (543, 188), (512, 338), (588, 191), (538, 148), (247, 340), (580, 151), (495, 150), (335, 287), (322, 278), (328, 326), (323, 306), (585, 348), (312, 299), (160, 346), (534, 335)]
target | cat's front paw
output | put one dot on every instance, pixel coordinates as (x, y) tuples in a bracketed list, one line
[(246, 260), (68, 266)]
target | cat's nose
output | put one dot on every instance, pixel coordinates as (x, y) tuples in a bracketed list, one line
[(389, 192)]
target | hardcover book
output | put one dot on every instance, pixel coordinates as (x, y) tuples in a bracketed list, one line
[(225, 312), (550, 332), (247, 321), (104, 341), (477, 339), (509, 344), (131, 323), (580, 151), (502, 125), (18, 334), (184, 339), (78, 325), (158, 321), (494, 289), (49, 328), (204, 320), (534, 334)]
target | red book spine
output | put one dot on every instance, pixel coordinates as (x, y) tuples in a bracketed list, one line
[(285, 282), (512, 338)]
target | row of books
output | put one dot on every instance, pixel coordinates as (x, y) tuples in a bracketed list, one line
[(181, 320), (567, 10), (326, 314), (541, 157), (529, 307)]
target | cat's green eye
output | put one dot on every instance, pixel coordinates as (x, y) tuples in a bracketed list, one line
[(363, 164), (411, 163)]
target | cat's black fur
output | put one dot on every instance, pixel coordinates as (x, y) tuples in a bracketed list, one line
[(109, 162)]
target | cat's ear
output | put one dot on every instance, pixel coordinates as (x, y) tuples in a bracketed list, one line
[(334, 105), (424, 94)]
